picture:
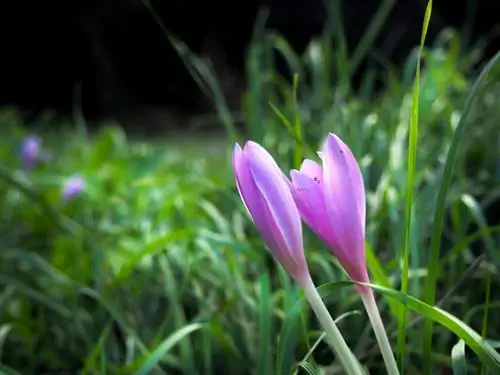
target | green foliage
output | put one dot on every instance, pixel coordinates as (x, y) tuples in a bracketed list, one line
[(157, 269)]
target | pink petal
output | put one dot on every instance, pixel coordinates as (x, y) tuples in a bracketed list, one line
[(343, 155), (312, 169), (276, 193), (250, 196), (308, 195), (344, 199)]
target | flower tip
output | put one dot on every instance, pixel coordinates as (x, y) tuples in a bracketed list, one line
[(252, 146), (293, 174), (237, 153)]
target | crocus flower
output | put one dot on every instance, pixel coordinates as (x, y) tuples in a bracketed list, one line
[(73, 187), (265, 191), (31, 152), (331, 200)]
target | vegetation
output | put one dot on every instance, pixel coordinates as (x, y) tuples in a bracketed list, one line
[(155, 267)]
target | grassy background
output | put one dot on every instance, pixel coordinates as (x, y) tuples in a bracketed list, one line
[(156, 268)]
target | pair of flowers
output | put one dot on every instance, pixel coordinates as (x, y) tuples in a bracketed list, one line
[(32, 153), (330, 199)]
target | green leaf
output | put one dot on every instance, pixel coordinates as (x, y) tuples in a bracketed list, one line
[(484, 351), (437, 228), (458, 361), (5, 370), (412, 158), (264, 364), (153, 359)]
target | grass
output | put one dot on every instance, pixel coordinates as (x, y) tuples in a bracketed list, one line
[(157, 269)]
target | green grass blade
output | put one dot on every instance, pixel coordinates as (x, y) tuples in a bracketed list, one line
[(255, 62), (264, 364), (458, 362), (437, 229), (5, 329), (36, 296), (341, 46), (299, 144), (92, 359), (459, 247), (153, 359), (412, 156), (5, 370), (380, 277), (202, 73), (484, 330), (482, 348), (371, 33), (288, 337)]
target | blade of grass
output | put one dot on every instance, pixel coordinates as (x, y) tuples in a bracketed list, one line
[(153, 359), (412, 155), (202, 73), (380, 277), (482, 348), (484, 330), (437, 228), (342, 54), (458, 362), (255, 66), (4, 370), (371, 33), (298, 150), (264, 364)]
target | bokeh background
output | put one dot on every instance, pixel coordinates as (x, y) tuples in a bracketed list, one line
[(154, 267)]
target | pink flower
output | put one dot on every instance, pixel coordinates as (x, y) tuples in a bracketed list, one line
[(31, 152), (331, 200), (266, 193), (73, 187)]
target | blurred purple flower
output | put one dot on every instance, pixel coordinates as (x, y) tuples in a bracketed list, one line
[(73, 187), (31, 152), (331, 200), (265, 192)]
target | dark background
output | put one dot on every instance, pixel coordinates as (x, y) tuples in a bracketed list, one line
[(111, 57)]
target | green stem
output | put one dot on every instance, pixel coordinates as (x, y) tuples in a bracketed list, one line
[(333, 335), (373, 312)]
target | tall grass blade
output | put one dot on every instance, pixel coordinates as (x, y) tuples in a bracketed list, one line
[(412, 156), (264, 364), (458, 362), (371, 33), (437, 229), (153, 359)]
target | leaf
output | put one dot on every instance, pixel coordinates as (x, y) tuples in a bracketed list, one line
[(153, 359), (437, 228), (458, 362), (485, 352)]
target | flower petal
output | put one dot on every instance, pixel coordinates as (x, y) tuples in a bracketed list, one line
[(345, 160), (312, 169), (251, 198), (275, 191), (344, 198), (308, 195)]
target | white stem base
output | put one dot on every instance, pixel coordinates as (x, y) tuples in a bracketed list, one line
[(371, 307), (333, 334)]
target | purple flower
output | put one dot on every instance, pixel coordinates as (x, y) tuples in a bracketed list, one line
[(331, 200), (265, 191), (31, 152), (73, 187)]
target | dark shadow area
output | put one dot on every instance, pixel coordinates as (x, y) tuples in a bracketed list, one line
[(110, 58)]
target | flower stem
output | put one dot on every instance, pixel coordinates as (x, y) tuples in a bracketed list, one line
[(373, 312), (333, 334)]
